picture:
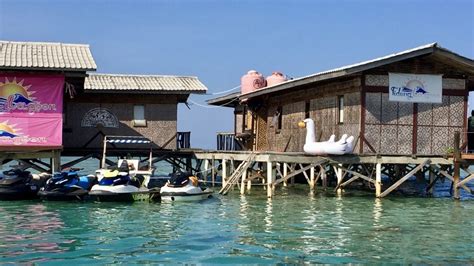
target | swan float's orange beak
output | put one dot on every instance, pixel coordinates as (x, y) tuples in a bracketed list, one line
[(302, 124)]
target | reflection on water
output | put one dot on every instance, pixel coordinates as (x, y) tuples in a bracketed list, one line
[(294, 227), (31, 230)]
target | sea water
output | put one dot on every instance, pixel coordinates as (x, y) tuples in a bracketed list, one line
[(296, 226)]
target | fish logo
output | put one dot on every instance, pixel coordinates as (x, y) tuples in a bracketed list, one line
[(8, 131)]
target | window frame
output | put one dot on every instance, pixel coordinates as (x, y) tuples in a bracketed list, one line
[(340, 109), (139, 122)]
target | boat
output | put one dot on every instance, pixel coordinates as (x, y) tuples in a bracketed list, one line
[(18, 184), (127, 182), (67, 185), (184, 187)]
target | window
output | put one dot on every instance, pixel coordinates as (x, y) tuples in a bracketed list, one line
[(340, 109), (306, 109), (139, 116), (246, 120), (279, 116)]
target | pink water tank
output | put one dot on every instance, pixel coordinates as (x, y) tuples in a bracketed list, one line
[(276, 78), (251, 82)]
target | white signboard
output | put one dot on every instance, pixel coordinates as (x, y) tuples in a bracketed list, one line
[(415, 88)]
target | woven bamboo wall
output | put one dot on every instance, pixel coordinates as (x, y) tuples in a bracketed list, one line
[(389, 125), (161, 124), (323, 110)]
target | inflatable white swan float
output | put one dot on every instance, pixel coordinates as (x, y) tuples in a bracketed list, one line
[(342, 146)]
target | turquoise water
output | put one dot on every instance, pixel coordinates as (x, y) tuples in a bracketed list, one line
[(294, 227)]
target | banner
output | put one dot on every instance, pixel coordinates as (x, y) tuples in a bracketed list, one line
[(31, 109), (415, 88), (33, 94), (20, 131)]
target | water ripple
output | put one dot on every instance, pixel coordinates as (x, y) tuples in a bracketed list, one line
[(293, 228)]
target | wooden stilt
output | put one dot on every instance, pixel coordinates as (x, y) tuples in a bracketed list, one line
[(224, 172), (242, 185), (206, 170), (324, 178), (338, 172), (403, 179), (432, 181), (213, 171), (378, 179), (311, 178), (270, 179), (457, 165), (285, 173)]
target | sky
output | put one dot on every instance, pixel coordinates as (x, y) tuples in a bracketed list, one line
[(219, 41)]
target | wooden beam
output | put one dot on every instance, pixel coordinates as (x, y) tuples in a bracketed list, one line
[(403, 179), (466, 179), (297, 172), (356, 176), (448, 176)]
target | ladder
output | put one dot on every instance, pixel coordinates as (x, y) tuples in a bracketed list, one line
[(234, 178)]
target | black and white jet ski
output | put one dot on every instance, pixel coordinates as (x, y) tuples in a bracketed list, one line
[(67, 185), (17, 184), (184, 187)]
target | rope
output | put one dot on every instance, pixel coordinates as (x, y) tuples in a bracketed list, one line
[(222, 92), (213, 106)]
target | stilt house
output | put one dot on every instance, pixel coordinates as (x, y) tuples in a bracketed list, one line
[(50, 103), (406, 103)]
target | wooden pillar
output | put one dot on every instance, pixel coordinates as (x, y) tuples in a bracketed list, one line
[(338, 171), (103, 153), (285, 173), (432, 179), (206, 170), (457, 164), (242, 183), (311, 178), (213, 171), (378, 179), (324, 179), (189, 164), (270, 179), (56, 161), (224, 172)]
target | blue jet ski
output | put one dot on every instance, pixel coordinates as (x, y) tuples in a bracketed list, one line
[(67, 185)]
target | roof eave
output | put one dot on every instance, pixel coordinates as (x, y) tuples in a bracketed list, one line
[(142, 91), (339, 73), (47, 69)]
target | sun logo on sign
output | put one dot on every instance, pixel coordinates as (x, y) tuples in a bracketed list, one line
[(15, 92), (8, 131)]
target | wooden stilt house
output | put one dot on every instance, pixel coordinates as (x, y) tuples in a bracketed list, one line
[(384, 103)]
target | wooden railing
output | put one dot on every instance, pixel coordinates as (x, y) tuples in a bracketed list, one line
[(228, 142), (183, 140)]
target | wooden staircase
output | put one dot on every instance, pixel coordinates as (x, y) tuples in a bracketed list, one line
[(234, 178)]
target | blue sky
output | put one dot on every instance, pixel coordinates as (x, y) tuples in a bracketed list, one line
[(219, 41)]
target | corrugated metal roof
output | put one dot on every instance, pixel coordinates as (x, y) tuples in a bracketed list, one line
[(46, 56), (150, 83), (359, 67)]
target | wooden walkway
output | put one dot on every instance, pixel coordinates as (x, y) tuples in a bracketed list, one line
[(275, 168)]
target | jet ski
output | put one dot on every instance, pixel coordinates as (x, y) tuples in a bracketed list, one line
[(124, 185), (67, 185), (18, 184), (184, 187)]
